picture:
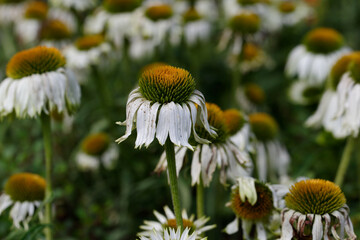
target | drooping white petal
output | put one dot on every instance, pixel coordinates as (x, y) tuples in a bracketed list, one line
[(164, 123), (195, 167), (247, 190), (287, 229), (131, 110), (317, 228), (232, 227)]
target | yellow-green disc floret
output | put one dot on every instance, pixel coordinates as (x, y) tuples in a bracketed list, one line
[(165, 84), (171, 223), (95, 144), (159, 12), (315, 196), (245, 23), (191, 15), (90, 41), (254, 93), (217, 120), (341, 67), (287, 7), (25, 187), (36, 60), (257, 212), (54, 29), (234, 120), (118, 6), (323, 40), (36, 10), (263, 125)]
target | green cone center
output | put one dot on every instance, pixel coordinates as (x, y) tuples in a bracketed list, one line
[(315, 196), (25, 187), (166, 84), (323, 40)]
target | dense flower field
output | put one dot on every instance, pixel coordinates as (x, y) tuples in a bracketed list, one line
[(179, 119)]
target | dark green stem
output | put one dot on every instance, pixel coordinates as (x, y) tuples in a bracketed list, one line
[(46, 129), (174, 188), (200, 198), (344, 162)]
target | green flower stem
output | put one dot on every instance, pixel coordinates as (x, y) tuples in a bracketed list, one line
[(344, 162), (200, 198), (46, 129), (170, 156)]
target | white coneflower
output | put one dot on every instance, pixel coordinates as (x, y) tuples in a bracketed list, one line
[(24, 192), (27, 29), (85, 52), (251, 58), (240, 26), (38, 82), (78, 5), (96, 149), (250, 97), (36, 15), (221, 152), (272, 158), (312, 60), (254, 203), (303, 93), (168, 221), (171, 234), (118, 16), (198, 20), (11, 11), (293, 12), (337, 110), (316, 209), (164, 105), (55, 33)]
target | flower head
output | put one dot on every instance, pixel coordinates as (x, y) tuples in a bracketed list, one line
[(25, 191), (254, 93), (257, 210), (159, 12), (95, 144), (234, 119), (36, 10), (168, 221), (166, 104), (312, 60), (315, 208), (323, 40), (166, 84), (24, 187), (54, 29), (342, 66), (38, 82), (254, 203), (245, 23), (118, 6), (216, 119), (89, 41), (95, 149), (191, 15), (34, 61), (315, 196), (287, 7), (263, 125)]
